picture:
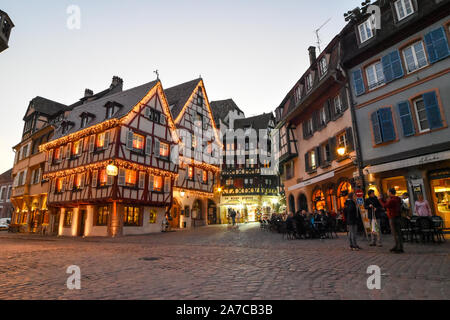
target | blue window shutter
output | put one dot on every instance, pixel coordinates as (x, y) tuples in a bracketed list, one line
[(392, 66), (376, 128), (433, 112), (406, 119), (437, 45), (396, 62), (358, 82), (387, 124)]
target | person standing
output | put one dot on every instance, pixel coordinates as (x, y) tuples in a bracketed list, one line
[(422, 207), (393, 205), (233, 216), (375, 210), (351, 216)]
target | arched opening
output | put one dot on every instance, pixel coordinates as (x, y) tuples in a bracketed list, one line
[(331, 199), (343, 190), (175, 213), (291, 203), (302, 202), (197, 210), (212, 212), (318, 200)]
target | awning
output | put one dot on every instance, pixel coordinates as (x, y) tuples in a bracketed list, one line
[(312, 181), (416, 161)]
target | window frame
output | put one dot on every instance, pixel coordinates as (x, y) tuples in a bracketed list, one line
[(323, 66), (416, 115), (402, 2), (373, 67), (103, 215), (416, 61), (127, 216), (366, 23)]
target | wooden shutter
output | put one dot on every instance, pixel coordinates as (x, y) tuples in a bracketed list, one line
[(358, 82), (130, 139), (350, 140), (156, 150), (107, 139), (68, 151), (437, 45), (344, 99), (64, 181), (327, 109), (307, 167), (404, 112), (52, 186), (163, 119), (94, 178), (376, 129), (50, 157), (148, 145), (319, 157), (387, 124), (121, 179), (316, 122), (166, 184), (332, 144), (392, 66), (82, 180), (71, 182), (80, 149), (91, 143), (141, 180), (432, 108), (150, 182), (33, 174), (39, 174)]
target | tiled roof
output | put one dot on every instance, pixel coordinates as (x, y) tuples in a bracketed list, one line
[(221, 108), (257, 122), (177, 96), (46, 106), (6, 176), (128, 99)]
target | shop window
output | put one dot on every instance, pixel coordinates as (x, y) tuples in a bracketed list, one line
[(132, 216), (331, 200), (102, 215), (318, 200), (343, 190), (153, 216), (440, 187), (68, 216), (398, 183)]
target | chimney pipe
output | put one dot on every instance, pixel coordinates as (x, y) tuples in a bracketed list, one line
[(312, 54), (88, 93)]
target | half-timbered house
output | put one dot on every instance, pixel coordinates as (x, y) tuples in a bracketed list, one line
[(195, 199), (109, 165)]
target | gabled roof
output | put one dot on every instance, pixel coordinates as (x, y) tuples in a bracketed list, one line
[(221, 108), (128, 99), (6, 176), (257, 122), (46, 106), (178, 96)]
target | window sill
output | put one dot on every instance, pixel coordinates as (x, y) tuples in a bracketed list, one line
[(138, 152)]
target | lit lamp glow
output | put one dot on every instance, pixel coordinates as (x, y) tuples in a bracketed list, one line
[(182, 193), (219, 189), (341, 151), (112, 170)]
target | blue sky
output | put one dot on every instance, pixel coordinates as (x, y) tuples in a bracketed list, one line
[(250, 50)]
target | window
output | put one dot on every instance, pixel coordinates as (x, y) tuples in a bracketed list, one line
[(205, 176), (365, 30), (308, 127), (298, 93), (84, 121), (59, 185), (132, 216), (36, 176), (312, 160), (2, 194), (77, 148), (102, 178), (323, 66), (109, 111), (130, 178), (342, 140), (200, 98), (164, 150), (158, 183), (100, 140), (338, 104), (190, 173), (383, 126), (229, 182), (309, 81), (323, 116), (421, 114), (138, 142), (57, 155), (79, 181), (102, 216), (68, 216), (326, 152), (404, 9), (289, 170), (415, 57), (198, 120), (375, 75), (152, 217)]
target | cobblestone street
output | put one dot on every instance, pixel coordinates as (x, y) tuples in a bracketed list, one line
[(217, 263)]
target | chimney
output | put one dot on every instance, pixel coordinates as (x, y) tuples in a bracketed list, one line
[(116, 83), (312, 54), (88, 93)]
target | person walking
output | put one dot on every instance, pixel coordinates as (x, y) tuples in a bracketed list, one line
[(393, 205), (351, 216), (233, 217), (422, 207), (375, 211)]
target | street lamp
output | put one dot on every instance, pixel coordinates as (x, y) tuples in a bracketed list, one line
[(341, 151), (182, 193)]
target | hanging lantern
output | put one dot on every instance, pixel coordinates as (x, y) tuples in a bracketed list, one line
[(112, 170)]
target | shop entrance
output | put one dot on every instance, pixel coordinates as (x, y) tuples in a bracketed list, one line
[(175, 215), (440, 190)]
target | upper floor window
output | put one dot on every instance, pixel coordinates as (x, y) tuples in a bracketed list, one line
[(309, 127), (2, 193), (375, 75), (415, 57), (200, 98), (130, 178), (198, 120), (298, 93), (323, 66), (337, 104), (109, 111), (365, 30), (158, 183), (289, 167), (383, 126), (404, 8), (163, 150), (309, 81), (57, 154), (205, 176), (190, 172), (84, 121), (154, 115), (77, 148), (323, 116), (135, 141)]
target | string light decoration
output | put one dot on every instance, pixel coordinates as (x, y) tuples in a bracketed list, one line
[(103, 164), (194, 193), (195, 163)]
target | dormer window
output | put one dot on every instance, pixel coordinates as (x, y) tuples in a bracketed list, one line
[(365, 30), (86, 118), (298, 93), (323, 66), (109, 111), (309, 82), (404, 8), (84, 121)]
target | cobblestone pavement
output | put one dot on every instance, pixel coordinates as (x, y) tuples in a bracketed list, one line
[(217, 263)]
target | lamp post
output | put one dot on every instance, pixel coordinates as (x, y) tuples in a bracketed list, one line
[(113, 171)]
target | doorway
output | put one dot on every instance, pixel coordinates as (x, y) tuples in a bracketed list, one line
[(82, 217), (175, 213)]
